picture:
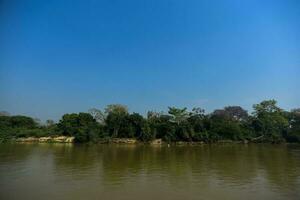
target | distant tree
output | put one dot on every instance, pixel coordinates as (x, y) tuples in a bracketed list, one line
[(229, 123), (178, 115), (196, 119), (136, 121), (231, 113), (69, 123), (19, 121), (146, 134), (153, 115), (183, 129), (296, 111), (266, 107), (116, 118), (82, 126), (116, 109), (38, 121), (219, 113), (199, 112), (226, 130), (5, 122), (236, 113), (293, 134), (49, 122), (166, 129), (269, 121), (161, 126), (98, 115), (153, 121)]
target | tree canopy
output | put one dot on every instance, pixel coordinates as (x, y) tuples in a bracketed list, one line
[(267, 123)]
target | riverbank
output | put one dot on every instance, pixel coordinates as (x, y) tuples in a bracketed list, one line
[(129, 141), (57, 139)]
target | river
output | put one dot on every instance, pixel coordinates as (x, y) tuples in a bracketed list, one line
[(138, 172)]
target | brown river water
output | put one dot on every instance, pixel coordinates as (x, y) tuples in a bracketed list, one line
[(134, 172)]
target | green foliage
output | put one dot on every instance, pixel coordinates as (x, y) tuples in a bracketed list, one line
[(293, 133), (116, 119), (82, 126), (21, 126), (146, 134), (6, 134), (268, 123), (178, 115), (98, 115), (236, 113), (136, 122), (201, 136), (22, 122), (227, 130), (198, 125)]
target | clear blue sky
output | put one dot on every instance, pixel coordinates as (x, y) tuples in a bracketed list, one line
[(65, 56)]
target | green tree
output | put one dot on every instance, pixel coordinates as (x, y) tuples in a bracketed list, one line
[(178, 115), (136, 121), (116, 118), (161, 126), (153, 120), (236, 113), (145, 135), (22, 122), (197, 122), (98, 115), (228, 124), (293, 133), (82, 126), (179, 118), (49, 122), (269, 121)]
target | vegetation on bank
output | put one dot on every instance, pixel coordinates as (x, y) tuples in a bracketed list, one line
[(267, 123)]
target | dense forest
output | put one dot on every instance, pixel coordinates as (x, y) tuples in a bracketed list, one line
[(267, 123)]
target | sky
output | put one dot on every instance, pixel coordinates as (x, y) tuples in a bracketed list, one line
[(69, 56)]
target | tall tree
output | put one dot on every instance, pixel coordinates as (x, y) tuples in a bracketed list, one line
[(136, 121), (231, 113), (178, 115), (19, 121), (183, 129), (116, 118), (236, 113), (49, 122), (197, 121), (82, 126), (269, 120), (98, 115), (293, 134)]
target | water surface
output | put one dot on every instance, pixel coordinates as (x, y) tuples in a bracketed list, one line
[(108, 172)]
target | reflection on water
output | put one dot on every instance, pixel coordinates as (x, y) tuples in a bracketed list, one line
[(231, 171)]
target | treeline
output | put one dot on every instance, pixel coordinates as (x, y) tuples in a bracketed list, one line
[(267, 123)]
